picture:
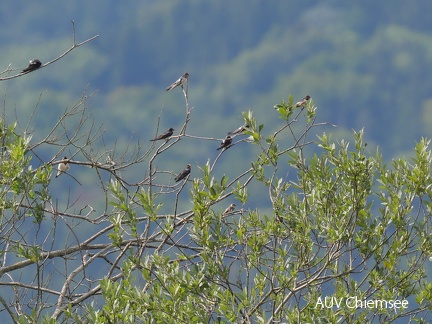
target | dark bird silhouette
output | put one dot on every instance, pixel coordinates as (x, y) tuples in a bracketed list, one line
[(229, 209), (239, 130), (302, 102), (33, 65), (63, 166), (225, 142), (183, 174), (179, 82), (165, 135)]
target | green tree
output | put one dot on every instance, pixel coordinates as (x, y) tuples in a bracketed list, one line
[(342, 227)]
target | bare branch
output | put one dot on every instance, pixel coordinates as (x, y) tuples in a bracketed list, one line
[(74, 46)]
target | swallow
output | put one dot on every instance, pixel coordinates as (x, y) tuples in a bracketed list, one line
[(63, 166), (165, 135), (302, 102), (239, 130), (110, 161), (33, 65), (183, 174), (225, 142), (180, 82), (229, 209)]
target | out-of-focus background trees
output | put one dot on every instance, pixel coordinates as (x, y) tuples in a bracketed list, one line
[(365, 64)]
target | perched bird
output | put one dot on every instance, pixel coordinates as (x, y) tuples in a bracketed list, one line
[(63, 166), (183, 174), (302, 102), (110, 161), (33, 65), (225, 142), (229, 210), (180, 82), (239, 130), (165, 135)]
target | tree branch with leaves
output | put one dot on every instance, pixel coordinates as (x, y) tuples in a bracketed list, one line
[(338, 223)]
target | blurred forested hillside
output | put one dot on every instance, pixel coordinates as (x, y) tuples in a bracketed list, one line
[(365, 64)]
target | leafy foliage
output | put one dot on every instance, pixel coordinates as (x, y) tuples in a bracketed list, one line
[(341, 224), (325, 234)]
